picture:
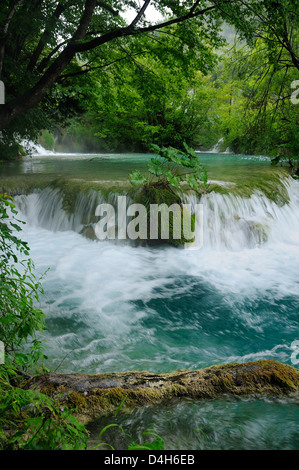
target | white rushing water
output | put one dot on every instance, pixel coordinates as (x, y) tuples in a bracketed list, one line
[(230, 222), (35, 149), (101, 297)]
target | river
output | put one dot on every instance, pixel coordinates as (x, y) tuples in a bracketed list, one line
[(114, 306)]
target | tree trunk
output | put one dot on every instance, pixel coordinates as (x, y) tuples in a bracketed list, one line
[(35, 95), (104, 392)]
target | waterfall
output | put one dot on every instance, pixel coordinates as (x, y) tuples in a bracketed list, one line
[(46, 209), (235, 223), (49, 209), (112, 306), (230, 222), (35, 149), (217, 147)]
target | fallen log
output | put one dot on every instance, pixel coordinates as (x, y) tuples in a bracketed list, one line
[(102, 393)]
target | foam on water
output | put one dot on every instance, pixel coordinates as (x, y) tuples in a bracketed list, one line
[(113, 306), (36, 149), (230, 424)]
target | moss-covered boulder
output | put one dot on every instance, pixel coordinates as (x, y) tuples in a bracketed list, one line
[(160, 196), (102, 393)]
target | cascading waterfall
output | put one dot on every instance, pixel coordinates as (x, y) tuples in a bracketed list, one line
[(115, 306), (230, 222), (217, 147), (35, 149), (45, 208), (235, 223)]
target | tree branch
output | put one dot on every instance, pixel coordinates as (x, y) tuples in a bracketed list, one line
[(43, 40), (10, 15), (140, 14), (108, 8), (43, 64), (107, 64), (75, 45), (33, 96), (122, 32)]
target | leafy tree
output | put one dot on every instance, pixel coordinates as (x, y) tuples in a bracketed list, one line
[(151, 98), (19, 288), (44, 45), (41, 40), (257, 112), (49, 48)]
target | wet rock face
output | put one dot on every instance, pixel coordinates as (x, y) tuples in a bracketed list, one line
[(102, 393)]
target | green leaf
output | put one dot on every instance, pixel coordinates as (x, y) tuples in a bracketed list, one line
[(157, 171), (190, 151), (137, 178), (173, 180)]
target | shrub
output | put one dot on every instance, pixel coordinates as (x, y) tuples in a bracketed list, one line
[(28, 419)]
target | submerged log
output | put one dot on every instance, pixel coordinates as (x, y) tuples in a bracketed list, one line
[(102, 393)]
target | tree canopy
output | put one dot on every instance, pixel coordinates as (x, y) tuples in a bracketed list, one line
[(40, 39), (60, 59)]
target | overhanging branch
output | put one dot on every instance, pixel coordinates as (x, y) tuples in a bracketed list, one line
[(76, 44), (140, 14), (108, 8), (107, 64), (126, 31), (10, 15)]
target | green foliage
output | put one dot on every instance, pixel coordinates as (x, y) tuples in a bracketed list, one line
[(171, 169), (170, 172), (101, 444), (155, 94), (254, 103), (141, 84), (39, 35), (156, 444), (19, 291), (32, 421), (28, 419)]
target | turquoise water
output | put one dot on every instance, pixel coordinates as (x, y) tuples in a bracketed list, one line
[(115, 307), (116, 167), (228, 424)]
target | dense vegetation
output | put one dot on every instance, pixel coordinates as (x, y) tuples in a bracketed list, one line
[(81, 76), (84, 73), (28, 419)]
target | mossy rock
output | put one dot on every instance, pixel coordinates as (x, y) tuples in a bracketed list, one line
[(172, 234), (88, 232), (103, 393)]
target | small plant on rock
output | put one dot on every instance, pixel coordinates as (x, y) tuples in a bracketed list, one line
[(170, 173)]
